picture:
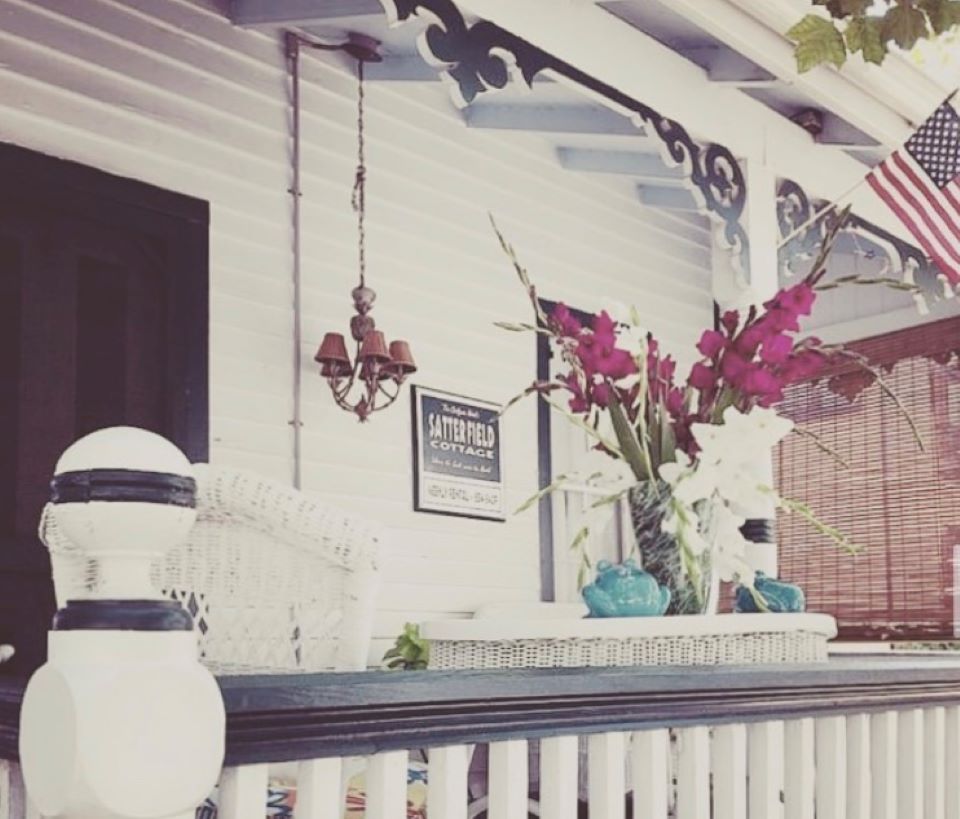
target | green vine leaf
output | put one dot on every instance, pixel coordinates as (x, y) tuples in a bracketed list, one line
[(904, 24), (865, 35), (818, 41), (942, 14)]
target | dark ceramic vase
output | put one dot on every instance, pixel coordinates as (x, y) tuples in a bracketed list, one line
[(660, 554)]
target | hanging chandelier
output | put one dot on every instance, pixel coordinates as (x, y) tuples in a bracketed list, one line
[(376, 369)]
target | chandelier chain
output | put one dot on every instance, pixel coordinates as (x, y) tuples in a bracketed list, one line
[(359, 199)]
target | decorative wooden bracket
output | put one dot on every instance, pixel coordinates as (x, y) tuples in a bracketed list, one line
[(479, 57), (795, 208)]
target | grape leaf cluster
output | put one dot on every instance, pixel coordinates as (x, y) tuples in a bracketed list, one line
[(860, 27)]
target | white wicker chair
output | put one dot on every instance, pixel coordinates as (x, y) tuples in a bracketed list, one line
[(276, 581)]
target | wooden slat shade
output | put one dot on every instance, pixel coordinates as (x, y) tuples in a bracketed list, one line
[(901, 504)]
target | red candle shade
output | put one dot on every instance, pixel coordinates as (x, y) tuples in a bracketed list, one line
[(402, 363), (374, 348), (332, 349)]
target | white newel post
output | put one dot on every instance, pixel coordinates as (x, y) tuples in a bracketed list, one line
[(757, 282), (122, 721)]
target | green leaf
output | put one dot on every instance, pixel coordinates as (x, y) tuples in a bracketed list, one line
[(904, 25), (629, 446), (864, 35), (942, 14), (817, 41)]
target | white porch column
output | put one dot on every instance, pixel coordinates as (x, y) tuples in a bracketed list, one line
[(122, 721), (738, 289)]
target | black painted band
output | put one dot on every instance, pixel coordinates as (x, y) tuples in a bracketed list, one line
[(128, 485), (760, 530), (122, 615)]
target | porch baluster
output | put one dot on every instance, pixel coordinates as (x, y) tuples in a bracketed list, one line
[(606, 757), (831, 753), (386, 782), (559, 765), (319, 790), (765, 753), (799, 769), (243, 792), (910, 763), (693, 773), (933, 764), (859, 779), (651, 773), (447, 782), (730, 772), (884, 765), (508, 779), (951, 741)]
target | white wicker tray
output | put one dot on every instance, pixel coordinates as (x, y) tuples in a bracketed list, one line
[(722, 639)]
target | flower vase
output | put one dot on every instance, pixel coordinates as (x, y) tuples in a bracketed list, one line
[(659, 554)]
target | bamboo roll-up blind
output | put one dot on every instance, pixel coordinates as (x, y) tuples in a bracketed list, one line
[(901, 504)]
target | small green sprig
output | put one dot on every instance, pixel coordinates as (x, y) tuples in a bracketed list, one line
[(410, 652)]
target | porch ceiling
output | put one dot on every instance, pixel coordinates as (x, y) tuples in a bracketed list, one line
[(733, 46), (585, 135)]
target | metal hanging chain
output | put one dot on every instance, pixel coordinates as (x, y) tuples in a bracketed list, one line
[(358, 198)]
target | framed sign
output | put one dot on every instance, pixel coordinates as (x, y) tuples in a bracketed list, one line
[(457, 459)]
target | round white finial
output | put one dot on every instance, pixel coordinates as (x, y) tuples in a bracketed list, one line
[(124, 448), (123, 496)]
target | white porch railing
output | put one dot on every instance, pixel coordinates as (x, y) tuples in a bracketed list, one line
[(851, 739), (124, 723)]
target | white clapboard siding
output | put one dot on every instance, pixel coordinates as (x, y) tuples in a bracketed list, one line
[(168, 92)]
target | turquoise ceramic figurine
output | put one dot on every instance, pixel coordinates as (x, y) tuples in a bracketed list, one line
[(781, 597), (625, 590)]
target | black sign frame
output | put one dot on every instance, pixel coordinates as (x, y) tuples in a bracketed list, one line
[(488, 410)]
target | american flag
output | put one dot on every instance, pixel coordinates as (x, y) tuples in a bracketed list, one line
[(920, 184)]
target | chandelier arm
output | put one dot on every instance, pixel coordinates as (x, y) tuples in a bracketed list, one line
[(390, 399)]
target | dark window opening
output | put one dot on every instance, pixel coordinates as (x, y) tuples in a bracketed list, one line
[(103, 321)]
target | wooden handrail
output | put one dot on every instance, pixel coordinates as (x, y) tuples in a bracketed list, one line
[(286, 717)]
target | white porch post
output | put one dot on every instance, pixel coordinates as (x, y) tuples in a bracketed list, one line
[(733, 288), (122, 721)]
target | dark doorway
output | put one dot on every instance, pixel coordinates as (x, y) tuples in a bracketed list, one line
[(103, 321)]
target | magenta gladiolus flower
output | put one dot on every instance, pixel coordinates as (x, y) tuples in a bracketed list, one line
[(711, 343), (776, 349), (758, 381), (732, 367), (565, 321), (702, 377), (600, 393)]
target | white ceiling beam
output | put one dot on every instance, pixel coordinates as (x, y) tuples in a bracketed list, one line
[(898, 83), (626, 163), (667, 198), (842, 134), (277, 13), (406, 68), (724, 65), (557, 119), (733, 22), (613, 52)]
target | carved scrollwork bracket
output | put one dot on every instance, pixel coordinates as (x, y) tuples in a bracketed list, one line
[(481, 56), (795, 208)]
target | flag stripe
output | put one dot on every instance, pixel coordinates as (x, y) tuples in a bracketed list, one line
[(909, 217), (950, 270), (948, 248), (951, 197), (936, 198)]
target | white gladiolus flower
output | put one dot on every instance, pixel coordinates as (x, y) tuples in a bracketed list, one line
[(726, 482)]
